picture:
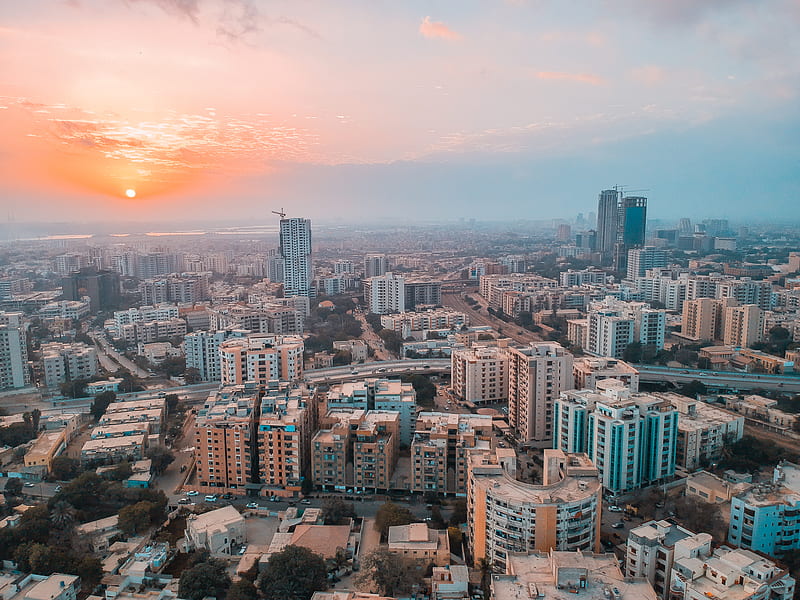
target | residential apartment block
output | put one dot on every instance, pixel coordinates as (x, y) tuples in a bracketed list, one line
[(589, 370), (506, 516), (68, 362), (440, 449), (537, 375), (744, 325), (261, 358), (14, 371), (440, 318), (479, 374), (703, 431), (385, 294)]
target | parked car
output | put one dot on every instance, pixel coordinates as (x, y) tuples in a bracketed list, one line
[(210, 498), (57, 488), (618, 525), (252, 505), (29, 484), (183, 501), (227, 496), (192, 493), (615, 508), (305, 501)]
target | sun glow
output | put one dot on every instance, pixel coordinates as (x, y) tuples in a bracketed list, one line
[(130, 193)]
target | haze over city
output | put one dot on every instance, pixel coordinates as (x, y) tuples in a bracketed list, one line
[(171, 110)]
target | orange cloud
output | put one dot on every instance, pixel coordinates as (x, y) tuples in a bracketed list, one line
[(577, 77), (649, 74), (437, 29)]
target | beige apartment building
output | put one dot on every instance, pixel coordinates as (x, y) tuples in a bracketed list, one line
[(506, 515), (355, 449), (536, 377), (224, 435), (588, 370), (744, 325), (261, 358), (440, 449), (480, 374), (704, 318)]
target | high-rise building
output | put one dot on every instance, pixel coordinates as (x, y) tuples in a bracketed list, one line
[(536, 377), (385, 294), (68, 362), (375, 265), (607, 221), (632, 221), (642, 259), (225, 436), (202, 351), (746, 291), (442, 443), (608, 333), (744, 326), (421, 292), (704, 318), (614, 324), (14, 371), (295, 249), (632, 438), (102, 287), (506, 515), (261, 358), (564, 232), (588, 371), (479, 374)]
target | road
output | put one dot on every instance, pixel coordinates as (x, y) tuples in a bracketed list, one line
[(372, 339), (126, 363), (480, 317), (720, 379)]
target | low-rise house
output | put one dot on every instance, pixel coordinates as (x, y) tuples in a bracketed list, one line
[(450, 583), (218, 531), (417, 542), (712, 489)]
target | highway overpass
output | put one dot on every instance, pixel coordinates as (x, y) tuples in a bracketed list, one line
[(720, 379)]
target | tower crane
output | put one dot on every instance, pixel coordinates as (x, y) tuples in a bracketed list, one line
[(281, 213)]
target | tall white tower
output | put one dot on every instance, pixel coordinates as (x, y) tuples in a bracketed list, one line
[(295, 248)]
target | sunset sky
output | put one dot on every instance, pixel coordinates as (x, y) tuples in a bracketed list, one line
[(492, 109)]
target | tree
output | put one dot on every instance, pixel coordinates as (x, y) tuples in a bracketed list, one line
[(209, 578), (456, 540), (437, 521), (485, 567), (64, 468), (100, 404), (335, 511), (192, 375), (295, 573), (696, 515), (242, 590), (62, 514), (161, 457), (391, 515), (387, 574), (633, 353), (172, 402), (425, 390), (73, 389), (135, 518), (693, 389), (459, 514), (121, 472), (14, 486)]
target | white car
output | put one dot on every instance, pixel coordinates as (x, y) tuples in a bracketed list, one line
[(615, 509), (192, 493), (210, 498)]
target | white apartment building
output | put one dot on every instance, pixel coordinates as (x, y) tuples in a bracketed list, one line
[(385, 294), (506, 516), (608, 330), (440, 318), (746, 291), (703, 431), (536, 377), (479, 374), (375, 265), (66, 309), (261, 358), (68, 362), (160, 312), (572, 278), (608, 333), (642, 259), (588, 371), (632, 438), (295, 249), (14, 371), (202, 351)]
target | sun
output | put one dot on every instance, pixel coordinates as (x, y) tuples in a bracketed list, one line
[(130, 193)]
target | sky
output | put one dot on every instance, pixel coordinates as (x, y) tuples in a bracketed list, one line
[(409, 111)]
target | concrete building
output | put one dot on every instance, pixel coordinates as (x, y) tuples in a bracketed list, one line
[(640, 260), (114, 449), (358, 349), (652, 548), (375, 265), (295, 249), (709, 488), (764, 410), (382, 395), (74, 310), (47, 446), (590, 276), (607, 221), (68, 362), (355, 448), (703, 431), (450, 583), (744, 325), (102, 287), (727, 573), (225, 434), (766, 518), (746, 291), (261, 358), (202, 351), (442, 443), (385, 294), (614, 324), (704, 318), (588, 370), (537, 375), (408, 322), (507, 516), (57, 586), (417, 542), (152, 331), (608, 333), (479, 374), (285, 427), (422, 292), (14, 371), (563, 575), (159, 312), (219, 531), (632, 438)]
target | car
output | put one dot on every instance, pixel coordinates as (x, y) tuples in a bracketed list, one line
[(382, 370), (305, 501), (618, 525), (227, 496), (57, 488), (426, 366), (252, 505), (183, 501), (353, 372), (210, 498), (242, 550), (615, 509), (192, 493), (29, 484)]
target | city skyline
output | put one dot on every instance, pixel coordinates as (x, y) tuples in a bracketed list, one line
[(495, 111)]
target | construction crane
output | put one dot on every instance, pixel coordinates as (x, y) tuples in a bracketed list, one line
[(620, 189), (281, 213)]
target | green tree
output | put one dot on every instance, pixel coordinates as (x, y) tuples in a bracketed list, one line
[(387, 574), (456, 540), (425, 390), (459, 514), (633, 353), (209, 578), (161, 457), (14, 486), (172, 402), (100, 404), (135, 518), (391, 515), (62, 514), (192, 375), (335, 510), (64, 468), (121, 472), (242, 590), (693, 389), (295, 573), (73, 389)]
